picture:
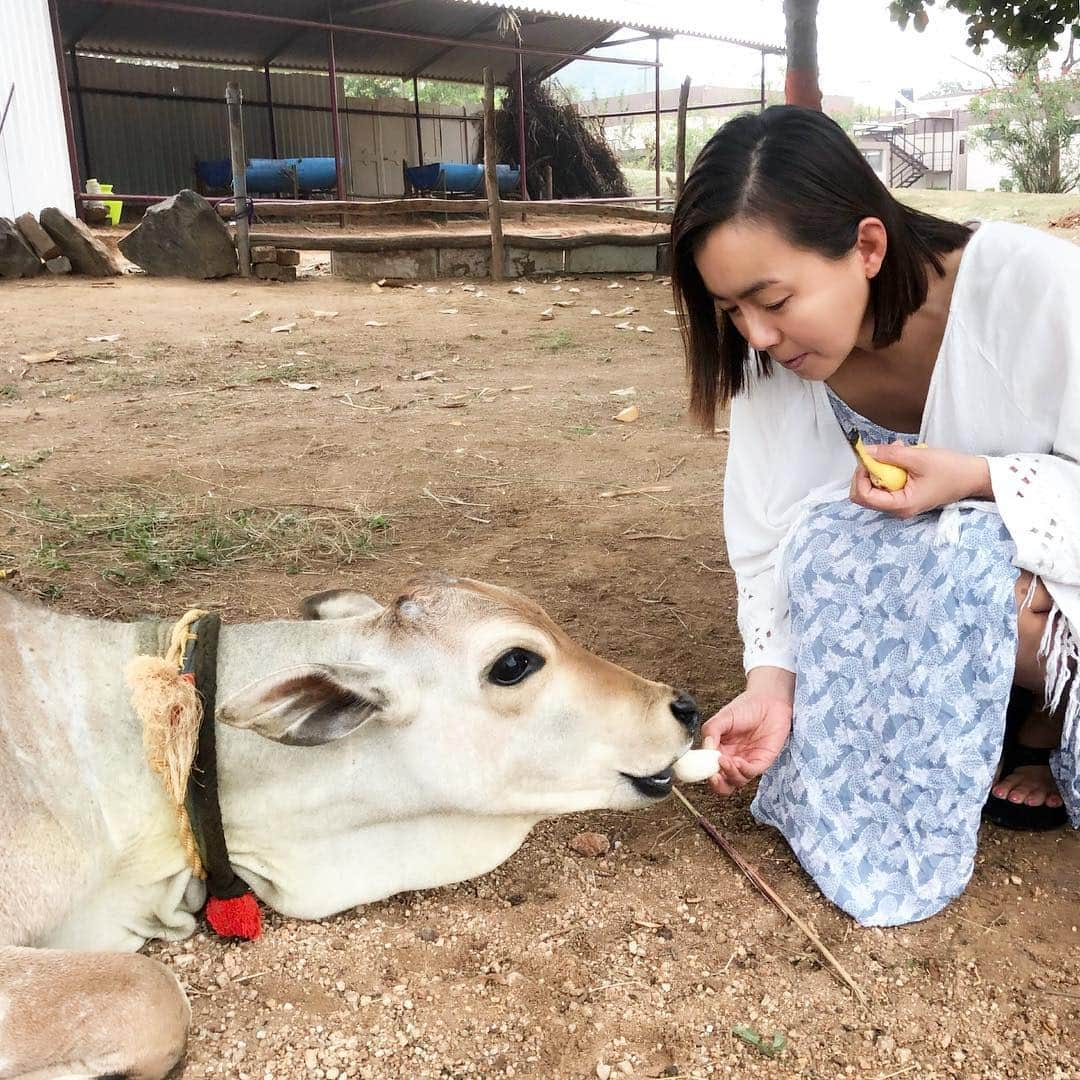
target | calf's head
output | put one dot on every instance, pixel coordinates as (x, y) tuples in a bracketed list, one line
[(478, 699)]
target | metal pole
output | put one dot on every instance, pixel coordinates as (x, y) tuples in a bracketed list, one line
[(656, 128), (491, 179), (234, 100), (335, 120), (270, 111), (77, 86), (521, 127), (419, 133), (65, 104), (762, 80)]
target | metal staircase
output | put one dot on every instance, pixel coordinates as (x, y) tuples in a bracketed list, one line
[(906, 163)]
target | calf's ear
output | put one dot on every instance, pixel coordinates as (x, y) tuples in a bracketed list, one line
[(339, 604), (307, 705)]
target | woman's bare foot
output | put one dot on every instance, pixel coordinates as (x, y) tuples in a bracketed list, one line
[(1033, 785)]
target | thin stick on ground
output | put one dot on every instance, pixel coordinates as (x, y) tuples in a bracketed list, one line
[(764, 888)]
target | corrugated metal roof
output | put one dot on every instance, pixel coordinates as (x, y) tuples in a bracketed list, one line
[(365, 40), (730, 26)]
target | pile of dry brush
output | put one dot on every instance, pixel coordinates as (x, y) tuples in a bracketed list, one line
[(582, 163)]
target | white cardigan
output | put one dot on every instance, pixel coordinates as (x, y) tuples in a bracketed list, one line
[(1006, 385)]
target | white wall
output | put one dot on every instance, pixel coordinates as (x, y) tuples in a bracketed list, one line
[(34, 168)]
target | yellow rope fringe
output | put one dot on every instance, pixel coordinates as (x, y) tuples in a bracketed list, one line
[(171, 715)]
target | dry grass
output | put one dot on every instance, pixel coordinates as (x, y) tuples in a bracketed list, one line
[(138, 536)]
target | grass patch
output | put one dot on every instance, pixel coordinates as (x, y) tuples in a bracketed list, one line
[(9, 466), (582, 429), (9, 392), (560, 339), (279, 373), (135, 540)]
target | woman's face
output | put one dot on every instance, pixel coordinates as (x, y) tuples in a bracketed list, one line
[(806, 311)]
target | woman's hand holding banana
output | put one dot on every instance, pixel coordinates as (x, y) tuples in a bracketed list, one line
[(934, 478)]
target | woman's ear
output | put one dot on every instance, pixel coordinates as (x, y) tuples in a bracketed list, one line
[(871, 242)]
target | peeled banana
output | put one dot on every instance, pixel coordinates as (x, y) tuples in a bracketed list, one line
[(696, 765), (889, 477)]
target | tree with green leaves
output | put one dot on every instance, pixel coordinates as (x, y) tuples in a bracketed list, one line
[(1030, 123), (1017, 24), (430, 91)]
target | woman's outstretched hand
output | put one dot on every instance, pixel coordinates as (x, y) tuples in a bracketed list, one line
[(751, 730), (935, 478)]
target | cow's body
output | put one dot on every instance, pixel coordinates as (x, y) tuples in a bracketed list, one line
[(427, 774)]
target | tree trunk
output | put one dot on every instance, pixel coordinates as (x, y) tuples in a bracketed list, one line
[(801, 85)]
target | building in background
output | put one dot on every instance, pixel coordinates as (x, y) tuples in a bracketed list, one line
[(927, 143)]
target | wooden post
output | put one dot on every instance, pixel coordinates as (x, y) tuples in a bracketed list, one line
[(680, 137), (549, 185), (491, 179), (234, 99), (656, 117), (522, 164), (335, 119)]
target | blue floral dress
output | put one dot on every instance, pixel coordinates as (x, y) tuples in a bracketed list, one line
[(905, 645)]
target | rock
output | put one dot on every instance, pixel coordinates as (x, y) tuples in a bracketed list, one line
[(60, 265), (17, 258), (95, 215), (603, 1070), (288, 257), (590, 844), (264, 253), (87, 253), (37, 237), (273, 272), (181, 237)]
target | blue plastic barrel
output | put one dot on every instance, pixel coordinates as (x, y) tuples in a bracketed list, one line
[(269, 175), (266, 176), (459, 178), (215, 174)]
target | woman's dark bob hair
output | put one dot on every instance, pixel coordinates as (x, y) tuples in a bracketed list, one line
[(794, 169)]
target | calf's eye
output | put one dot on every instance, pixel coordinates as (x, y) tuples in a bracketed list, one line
[(513, 666)]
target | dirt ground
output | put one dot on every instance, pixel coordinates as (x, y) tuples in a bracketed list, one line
[(174, 465)]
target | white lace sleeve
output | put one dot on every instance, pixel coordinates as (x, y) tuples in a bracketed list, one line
[(761, 494), (764, 622), (1038, 496)]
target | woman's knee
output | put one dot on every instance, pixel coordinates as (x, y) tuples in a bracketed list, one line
[(1030, 670)]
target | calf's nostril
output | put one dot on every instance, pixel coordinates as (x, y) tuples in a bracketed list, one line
[(685, 710)]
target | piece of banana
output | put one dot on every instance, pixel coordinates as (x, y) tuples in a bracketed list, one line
[(696, 765), (889, 477)]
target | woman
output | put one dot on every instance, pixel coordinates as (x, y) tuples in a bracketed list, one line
[(893, 626)]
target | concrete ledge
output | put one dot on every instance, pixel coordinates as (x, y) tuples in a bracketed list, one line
[(608, 259), (428, 263), (421, 264)]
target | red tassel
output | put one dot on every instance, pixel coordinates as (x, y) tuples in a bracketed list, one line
[(237, 918)]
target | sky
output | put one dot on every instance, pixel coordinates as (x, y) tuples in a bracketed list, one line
[(861, 52)]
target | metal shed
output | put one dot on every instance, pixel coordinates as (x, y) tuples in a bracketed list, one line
[(262, 40)]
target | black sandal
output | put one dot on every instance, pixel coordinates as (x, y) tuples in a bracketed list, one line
[(1014, 755)]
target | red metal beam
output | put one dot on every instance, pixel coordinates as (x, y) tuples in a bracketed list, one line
[(65, 102), (396, 35), (673, 109)]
